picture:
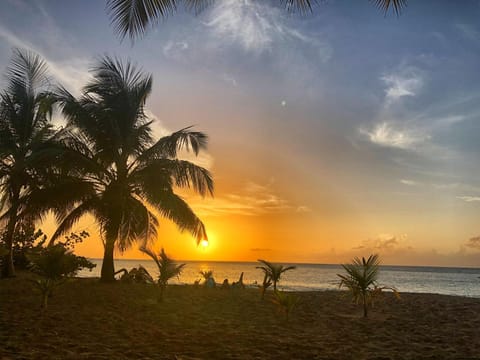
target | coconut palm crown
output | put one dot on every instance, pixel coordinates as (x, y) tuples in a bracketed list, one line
[(29, 145), (118, 173)]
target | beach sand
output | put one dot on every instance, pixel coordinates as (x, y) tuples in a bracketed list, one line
[(90, 320)]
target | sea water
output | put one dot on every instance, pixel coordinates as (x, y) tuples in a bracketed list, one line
[(307, 277)]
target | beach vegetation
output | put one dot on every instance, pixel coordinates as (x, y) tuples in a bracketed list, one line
[(361, 280), (167, 268), (208, 279), (273, 273), (119, 173), (138, 275), (285, 302), (54, 264)]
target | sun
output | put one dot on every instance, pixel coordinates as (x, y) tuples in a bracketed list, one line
[(204, 243)]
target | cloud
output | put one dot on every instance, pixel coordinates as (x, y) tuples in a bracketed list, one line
[(229, 79), (473, 243), (253, 200), (383, 243), (469, 198), (303, 209), (468, 31), (388, 135), (405, 82), (408, 182), (175, 49), (257, 27)]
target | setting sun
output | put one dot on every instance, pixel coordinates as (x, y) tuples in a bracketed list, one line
[(204, 243)]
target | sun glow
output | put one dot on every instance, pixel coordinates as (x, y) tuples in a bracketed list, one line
[(204, 243)]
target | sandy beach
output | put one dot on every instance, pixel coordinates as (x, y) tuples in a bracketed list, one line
[(90, 320)]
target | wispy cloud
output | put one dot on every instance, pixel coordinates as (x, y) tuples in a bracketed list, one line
[(468, 31), (469, 198), (409, 182), (252, 200), (473, 243), (257, 26), (389, 135), (407, 81), (383, 243)]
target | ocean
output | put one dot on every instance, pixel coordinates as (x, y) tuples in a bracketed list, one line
[(307, 277)]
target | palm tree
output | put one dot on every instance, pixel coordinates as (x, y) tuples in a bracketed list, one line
[(167, 268), (273, 271), (133, 17), (361, 280), (122, 176), (28, 143)]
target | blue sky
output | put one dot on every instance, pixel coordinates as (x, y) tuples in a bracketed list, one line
[(361, 129)]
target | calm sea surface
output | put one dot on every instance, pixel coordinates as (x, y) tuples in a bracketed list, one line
[(439, 280)]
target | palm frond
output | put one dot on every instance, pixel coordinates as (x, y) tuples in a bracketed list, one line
[(385, 5)]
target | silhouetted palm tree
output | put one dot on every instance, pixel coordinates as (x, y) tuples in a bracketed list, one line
[(273, 271), (123, 177), (133, 17), (361, 280), (167, 268), (28, 143)]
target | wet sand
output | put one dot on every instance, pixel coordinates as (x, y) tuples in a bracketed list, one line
[(90, 320)]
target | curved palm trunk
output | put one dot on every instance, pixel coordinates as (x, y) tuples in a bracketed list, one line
[(8, 269), (108, 268)]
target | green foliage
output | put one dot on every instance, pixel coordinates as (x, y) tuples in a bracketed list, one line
[(54, 264), (273, 273), (361, 280), (26, 239), (285, 301), (167, 268)]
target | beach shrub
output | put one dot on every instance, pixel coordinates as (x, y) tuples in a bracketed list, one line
[(54, 264), (361, 280), (167, 268), (285, 302), (26, 239), (208, 279), (273, 272), (137, 275)]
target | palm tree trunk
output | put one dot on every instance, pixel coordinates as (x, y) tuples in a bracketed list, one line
[(108, 268), (8, 266)]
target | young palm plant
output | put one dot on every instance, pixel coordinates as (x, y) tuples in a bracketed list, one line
[(29, 146), (167, 268), (273, 272), (361, 280), (285, 302), (118, 173)]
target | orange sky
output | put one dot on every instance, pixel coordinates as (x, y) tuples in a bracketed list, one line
[(340, 133)]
